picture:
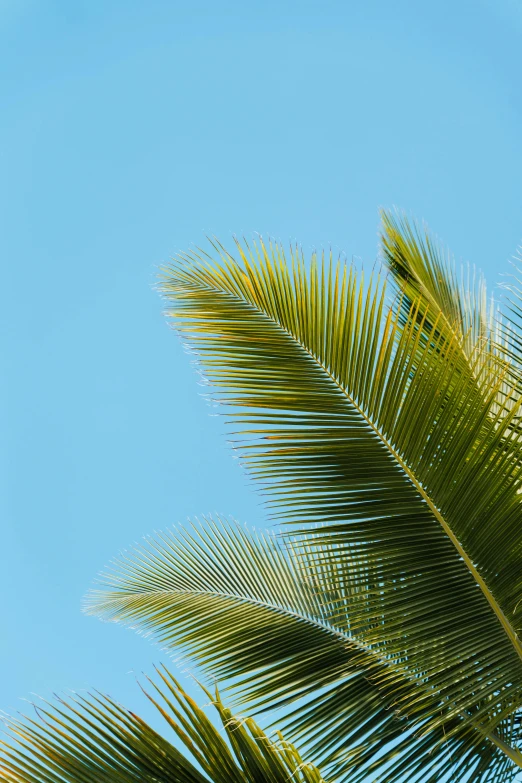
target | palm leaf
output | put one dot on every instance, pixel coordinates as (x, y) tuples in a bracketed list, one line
[(453, 307), (509, 329), (426, 274), (89, 739), (245, 608), (356, 422)]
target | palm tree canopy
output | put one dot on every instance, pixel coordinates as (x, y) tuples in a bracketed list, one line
[(381, 417), (89, 739)]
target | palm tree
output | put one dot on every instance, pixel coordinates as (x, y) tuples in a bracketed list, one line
[(381, 417)]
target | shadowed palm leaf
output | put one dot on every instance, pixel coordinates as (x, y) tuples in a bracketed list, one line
[(93, 739), (244, 606)]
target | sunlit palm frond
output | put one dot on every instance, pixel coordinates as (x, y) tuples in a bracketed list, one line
[(93, 739), (244, 607), (451, 304), (354, 421), (426, 273)]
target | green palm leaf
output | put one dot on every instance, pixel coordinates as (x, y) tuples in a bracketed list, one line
[(245, 608), (426, 274), (353, 420), (87, 740), (509, 332)]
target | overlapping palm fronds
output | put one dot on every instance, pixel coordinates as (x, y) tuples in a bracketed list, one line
[(93, 739), (384, 426), (244, 607)]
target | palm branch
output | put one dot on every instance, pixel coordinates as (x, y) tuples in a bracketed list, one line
[(243, 606), (93, 738), (449, 304), (426, 274), (386, 434)]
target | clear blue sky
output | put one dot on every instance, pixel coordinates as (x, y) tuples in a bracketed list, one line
[(129, 129)]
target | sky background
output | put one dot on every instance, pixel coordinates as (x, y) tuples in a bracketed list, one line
[(131, 129)]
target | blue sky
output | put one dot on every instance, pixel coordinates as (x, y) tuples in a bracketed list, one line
[(131, 129)]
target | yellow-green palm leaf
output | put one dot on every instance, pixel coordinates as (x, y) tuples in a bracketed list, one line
[(426, 274), (450, 303)]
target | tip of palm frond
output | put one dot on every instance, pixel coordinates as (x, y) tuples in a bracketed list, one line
[(167, 560)]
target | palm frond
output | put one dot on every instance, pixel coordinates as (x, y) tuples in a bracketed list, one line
[(425, 273), (450, 306), (93, 738), (355, 422), (509, 330), (245, 608)]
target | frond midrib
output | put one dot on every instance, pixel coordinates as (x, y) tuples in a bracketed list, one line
[(309, 619)]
